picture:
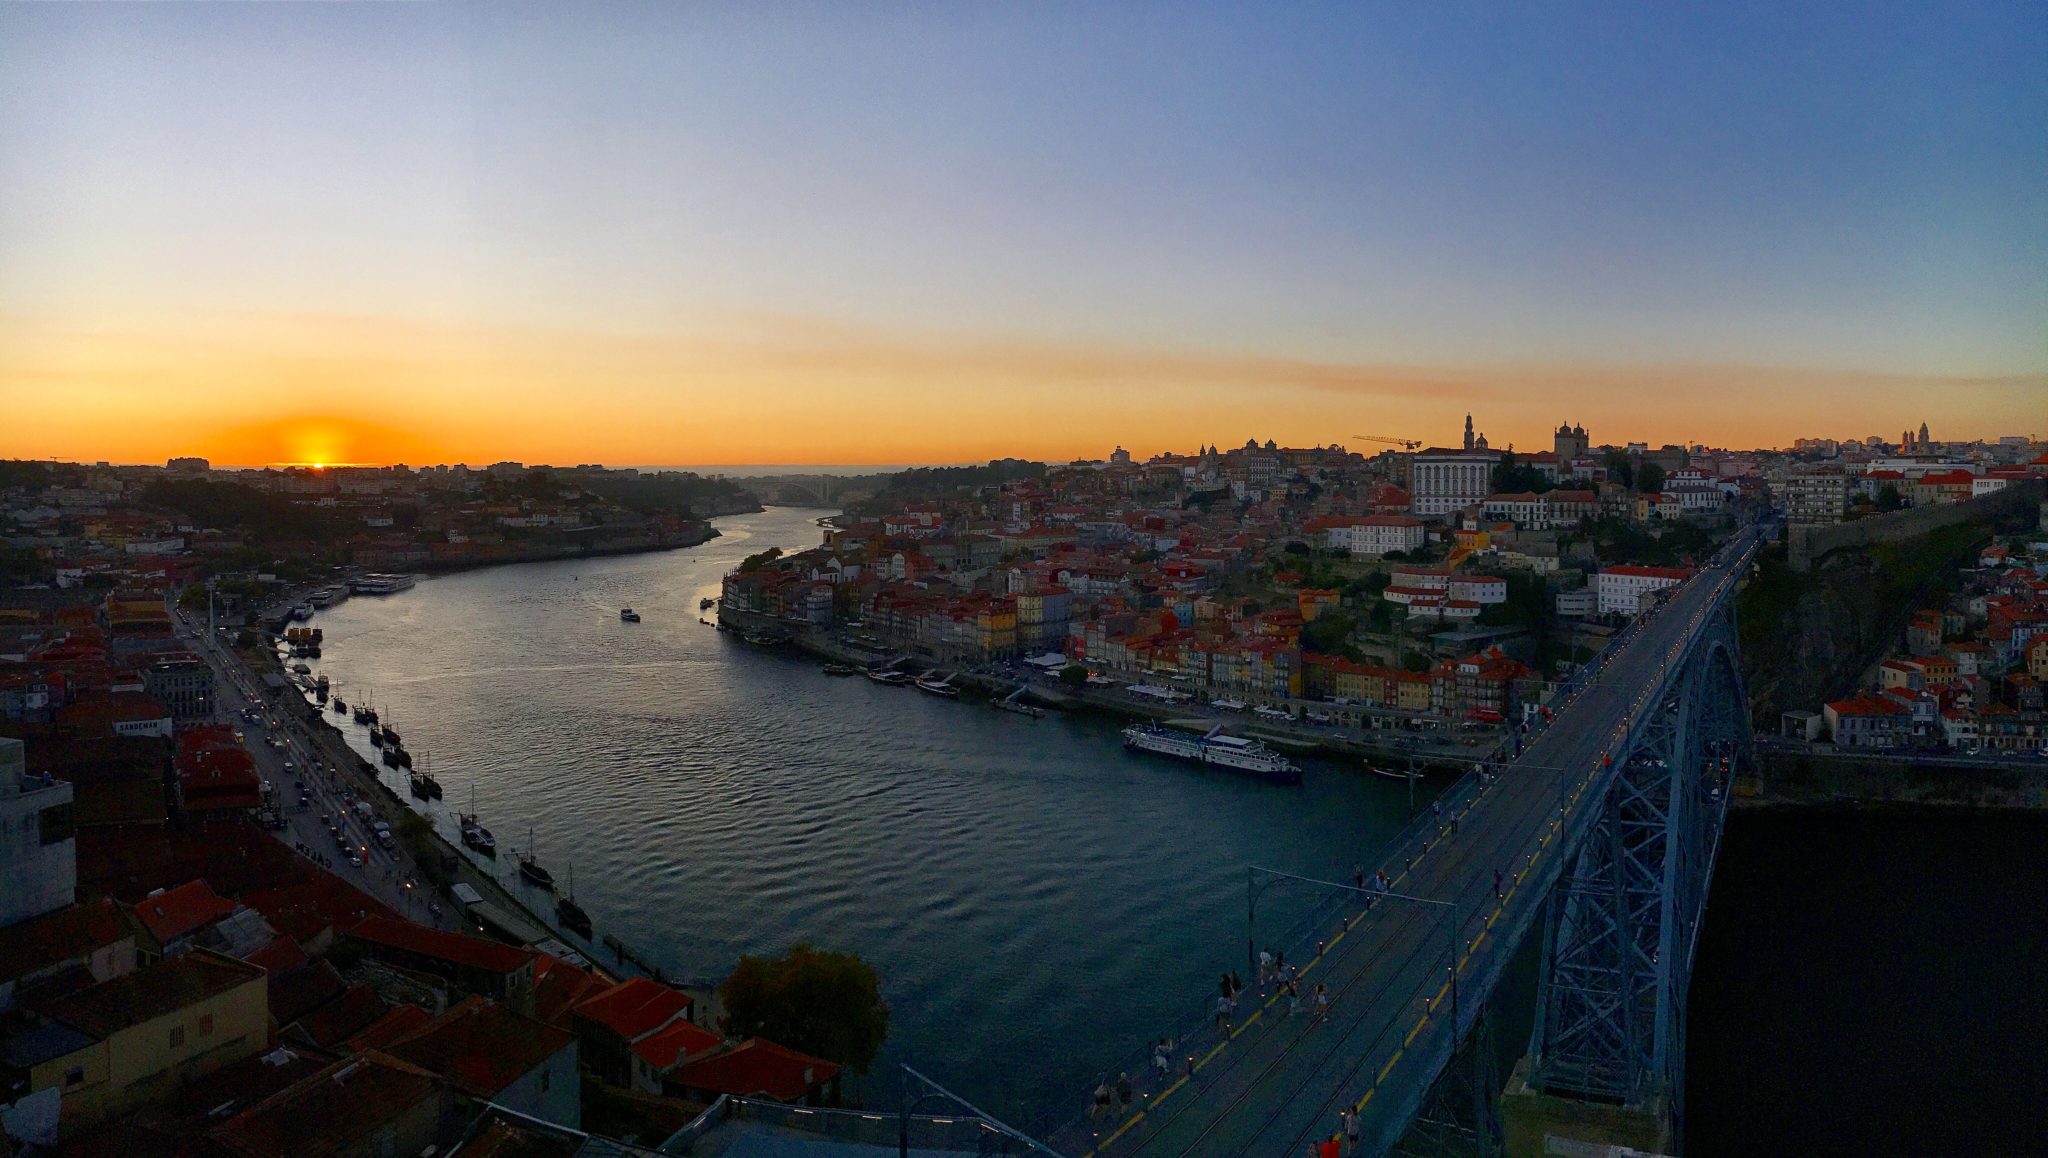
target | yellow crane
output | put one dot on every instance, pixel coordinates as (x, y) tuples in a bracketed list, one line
[(1403, 443)]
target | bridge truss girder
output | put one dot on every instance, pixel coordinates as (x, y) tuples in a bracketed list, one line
[(1623, 922)]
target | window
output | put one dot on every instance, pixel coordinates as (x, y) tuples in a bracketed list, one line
[(205, 1024), (177, 1036), (75, 1076), (56, 825)]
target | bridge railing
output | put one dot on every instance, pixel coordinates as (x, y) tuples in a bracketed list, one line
[(1193, 1034)]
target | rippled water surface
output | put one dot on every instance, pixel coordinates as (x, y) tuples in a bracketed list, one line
[(1038, 900)]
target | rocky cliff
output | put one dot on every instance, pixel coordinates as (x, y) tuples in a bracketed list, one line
[(1807, 637)]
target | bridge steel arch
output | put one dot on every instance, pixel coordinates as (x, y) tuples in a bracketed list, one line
[(1622, 924)]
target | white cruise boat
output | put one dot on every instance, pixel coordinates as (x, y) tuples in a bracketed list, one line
[(1165, 741), (1232, 752), (1249, 756), (382, 584)]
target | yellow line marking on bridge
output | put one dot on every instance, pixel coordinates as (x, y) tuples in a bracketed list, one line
[(1389, 1067), (1128, 1123), (1247, 1023)]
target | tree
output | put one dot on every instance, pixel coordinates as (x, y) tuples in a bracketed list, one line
[(1330, 634), (1074, 675), (756, 562), (1414, 661), (1650, 479), (810, 999), (1888, 498)]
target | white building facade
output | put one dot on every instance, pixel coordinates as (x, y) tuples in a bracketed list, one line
[(1447, 481), (1622, 589), (38, 852)]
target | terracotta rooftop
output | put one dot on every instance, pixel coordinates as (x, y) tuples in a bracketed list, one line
[(65, 935), (481, 1046), (174, 913), (338, 1110), (635, 1007), (455, 948), (145, 994), (757, 1069), (338, 1020), (678, 1040)]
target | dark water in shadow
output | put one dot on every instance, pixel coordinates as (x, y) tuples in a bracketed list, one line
[(1871, 985)]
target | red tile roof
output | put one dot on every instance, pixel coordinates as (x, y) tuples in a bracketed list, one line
[(678, 1040), (354, 1011), (1680, 573), (757, 1069), (1867, 705), (146, 994), (338, 1110), (185, 909), (455, 948), (398, 1022), (635, 1007), (481, 1046), (65, 935)]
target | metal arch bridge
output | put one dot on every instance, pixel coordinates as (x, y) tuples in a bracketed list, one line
[(1602, 833)]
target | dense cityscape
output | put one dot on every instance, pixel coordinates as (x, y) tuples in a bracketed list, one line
[(848, 581), (1417, 605)]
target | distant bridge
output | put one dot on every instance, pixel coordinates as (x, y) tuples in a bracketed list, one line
[(1603, 834)]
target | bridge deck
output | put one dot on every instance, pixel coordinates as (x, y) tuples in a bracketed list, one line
[(1272, 1082)]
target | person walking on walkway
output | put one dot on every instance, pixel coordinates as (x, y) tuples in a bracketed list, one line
[(1358, 876), (1123, 1095), (1236, 989), (1162, 1057), (1223, 1014), (1101, 1104), (1322, 1003), (1265, 967), (1293, 995), (1497, 878), (1351, 1131)]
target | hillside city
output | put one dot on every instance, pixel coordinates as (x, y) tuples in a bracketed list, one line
[(231, 939)]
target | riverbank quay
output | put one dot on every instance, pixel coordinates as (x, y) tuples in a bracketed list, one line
[(1395, 745), (349, 771), (1810, 778)]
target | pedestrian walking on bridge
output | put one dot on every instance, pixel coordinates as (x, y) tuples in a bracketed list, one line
[(1497, 879)]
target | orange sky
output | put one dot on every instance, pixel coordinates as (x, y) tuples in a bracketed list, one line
[(248, 389)]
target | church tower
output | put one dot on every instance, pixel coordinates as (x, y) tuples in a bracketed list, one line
[(1468, 432)]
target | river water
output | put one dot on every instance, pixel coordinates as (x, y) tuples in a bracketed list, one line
[(1037, 900)]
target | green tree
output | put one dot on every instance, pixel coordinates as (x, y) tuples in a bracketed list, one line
[(1650, 479), (756, 562), (1888, 498), (821, 1002), (1330, 634), (1414, 661), (1074, 675)]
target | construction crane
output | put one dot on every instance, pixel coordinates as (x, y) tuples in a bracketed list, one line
[(1403, 443)]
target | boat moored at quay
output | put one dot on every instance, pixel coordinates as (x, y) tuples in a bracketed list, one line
[(1233, 752)]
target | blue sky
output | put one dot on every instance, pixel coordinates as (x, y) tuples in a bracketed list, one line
[(1849, 189)]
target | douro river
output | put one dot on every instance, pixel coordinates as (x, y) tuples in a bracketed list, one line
[(1038, 901)]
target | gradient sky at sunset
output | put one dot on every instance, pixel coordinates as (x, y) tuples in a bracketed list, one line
[(670, 233)]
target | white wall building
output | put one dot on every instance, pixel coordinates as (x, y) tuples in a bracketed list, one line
[(1447, 481), (1381, 534), (1621, 589), (38, 852)]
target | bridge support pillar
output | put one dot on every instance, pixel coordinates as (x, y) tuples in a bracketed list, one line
[(1530, 1116)]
